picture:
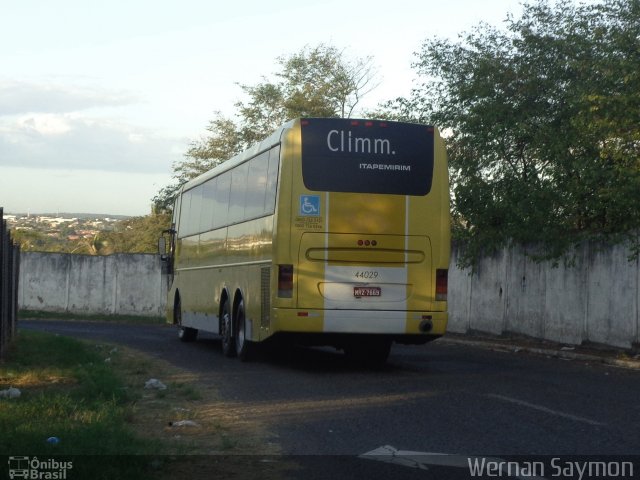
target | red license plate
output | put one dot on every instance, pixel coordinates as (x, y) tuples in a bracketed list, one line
[(367, 292)]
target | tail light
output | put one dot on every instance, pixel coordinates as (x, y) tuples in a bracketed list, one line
[(441, 284), (285, 281)]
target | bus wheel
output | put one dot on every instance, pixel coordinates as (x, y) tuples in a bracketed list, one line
[(185, 334), (368, 351), (228, 341), (244, 347)]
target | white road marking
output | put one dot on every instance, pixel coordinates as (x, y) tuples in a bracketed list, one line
[(424, 460), (540, 408), (420, 460)]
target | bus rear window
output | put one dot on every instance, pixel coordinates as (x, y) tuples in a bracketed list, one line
[(363, 156)]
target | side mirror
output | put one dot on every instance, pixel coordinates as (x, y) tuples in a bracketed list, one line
[(166, 251)]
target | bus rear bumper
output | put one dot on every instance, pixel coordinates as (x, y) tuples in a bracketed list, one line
[(409, 326)]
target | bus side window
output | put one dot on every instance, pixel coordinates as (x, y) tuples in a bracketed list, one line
[(175, 219), (193, 222), (221, 200), (256, 186), (207, 212), (184, 214), (238, 193), (272, 180)]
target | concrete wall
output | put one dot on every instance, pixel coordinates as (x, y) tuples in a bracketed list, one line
[(115, 284), (594, 300)]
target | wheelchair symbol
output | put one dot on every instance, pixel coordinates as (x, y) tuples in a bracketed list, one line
[(310, 205)]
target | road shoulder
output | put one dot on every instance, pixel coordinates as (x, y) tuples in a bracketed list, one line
[(615, 357)]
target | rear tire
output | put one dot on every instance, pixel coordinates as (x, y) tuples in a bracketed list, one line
[(185, 334), (244, 347), (228, 340)]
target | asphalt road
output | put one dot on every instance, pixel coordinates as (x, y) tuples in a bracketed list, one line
[(439, 398)]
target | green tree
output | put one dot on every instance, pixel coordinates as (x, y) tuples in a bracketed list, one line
[(223, 142), (34, 241), (543, 125), (318, 81), (137, 234)]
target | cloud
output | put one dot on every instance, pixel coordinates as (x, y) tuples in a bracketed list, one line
[(69, 127), (46, 124), (18, 98), (69, 141)]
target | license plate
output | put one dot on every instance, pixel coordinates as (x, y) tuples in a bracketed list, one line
[(367, 292)]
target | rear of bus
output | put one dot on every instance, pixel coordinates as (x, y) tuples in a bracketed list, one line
[(362, 240)]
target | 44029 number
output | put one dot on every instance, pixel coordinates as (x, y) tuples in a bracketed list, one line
[(368, 274)]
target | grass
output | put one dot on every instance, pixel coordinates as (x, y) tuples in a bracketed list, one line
[(134, 319), (92, 398), (69, 392)]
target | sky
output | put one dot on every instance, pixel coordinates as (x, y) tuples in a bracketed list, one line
[(99, 99)]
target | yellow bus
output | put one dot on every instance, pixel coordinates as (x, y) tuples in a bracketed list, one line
[(328, 232)]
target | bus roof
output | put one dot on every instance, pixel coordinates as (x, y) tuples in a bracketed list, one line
[(250, 152)]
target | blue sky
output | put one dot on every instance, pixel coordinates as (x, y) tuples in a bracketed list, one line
[(98, 99)]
